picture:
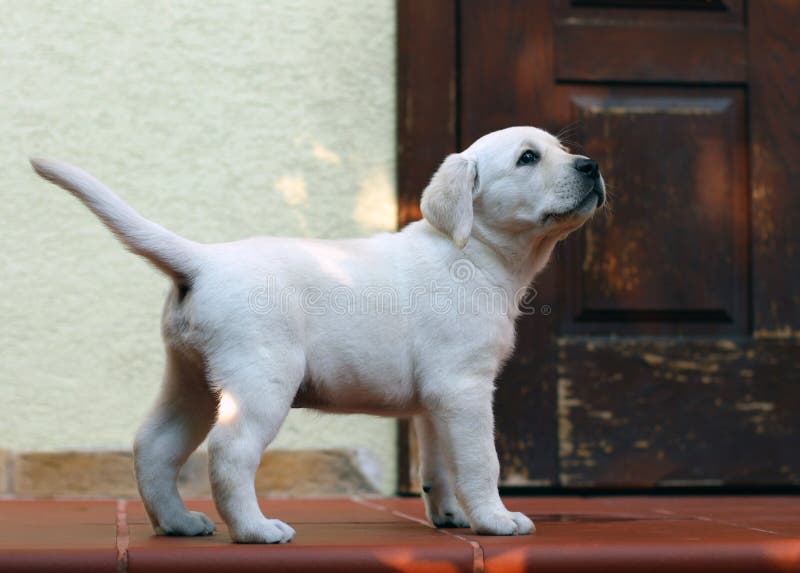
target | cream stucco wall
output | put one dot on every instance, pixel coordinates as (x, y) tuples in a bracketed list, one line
[(220, 120)]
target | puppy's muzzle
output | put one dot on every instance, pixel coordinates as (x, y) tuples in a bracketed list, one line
[(589, 169)]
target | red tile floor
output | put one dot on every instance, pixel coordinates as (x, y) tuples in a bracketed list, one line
[(619, 534)]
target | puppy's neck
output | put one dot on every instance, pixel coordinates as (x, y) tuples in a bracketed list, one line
[(512, 259)]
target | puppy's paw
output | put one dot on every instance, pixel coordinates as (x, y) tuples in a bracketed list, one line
[(265, 531), (503, 523), (449, 515), (442, 507), (188, 524)]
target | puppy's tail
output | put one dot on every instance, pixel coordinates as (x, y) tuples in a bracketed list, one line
[(177, 257)]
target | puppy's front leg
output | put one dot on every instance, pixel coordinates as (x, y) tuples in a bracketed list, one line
[(438, 489), (465, 423)]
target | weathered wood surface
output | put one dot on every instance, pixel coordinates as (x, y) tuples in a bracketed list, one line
[(775, 169), (671, 255), (657, 413), (651, 41), (426, 96), (698, 139)]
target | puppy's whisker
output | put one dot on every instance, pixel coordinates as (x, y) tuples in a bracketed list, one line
[(568, 129)]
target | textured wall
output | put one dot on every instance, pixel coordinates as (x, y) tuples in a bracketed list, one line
[(219, 120)]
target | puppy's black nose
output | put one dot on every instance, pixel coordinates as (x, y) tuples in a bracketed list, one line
[(587, 166)]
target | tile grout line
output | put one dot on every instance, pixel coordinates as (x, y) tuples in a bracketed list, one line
[(662, 511), (740, 525), (478, 560), (123, 536), (715, 520)]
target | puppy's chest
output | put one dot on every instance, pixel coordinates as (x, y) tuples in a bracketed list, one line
[(370, 377), (387, 398)]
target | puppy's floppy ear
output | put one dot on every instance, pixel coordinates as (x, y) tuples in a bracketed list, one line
[(447, 200)]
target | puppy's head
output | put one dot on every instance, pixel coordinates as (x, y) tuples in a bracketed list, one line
[(516, 181)]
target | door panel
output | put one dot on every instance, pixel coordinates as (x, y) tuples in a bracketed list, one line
[(645, 41), (644, 413), (670, 256)]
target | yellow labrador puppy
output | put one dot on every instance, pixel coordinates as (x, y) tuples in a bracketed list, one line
[(397, 324)]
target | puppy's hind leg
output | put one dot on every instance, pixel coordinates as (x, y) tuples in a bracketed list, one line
[(256, 396), (181, 418)]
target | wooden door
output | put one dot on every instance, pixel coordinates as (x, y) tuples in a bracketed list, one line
[(665, 345)]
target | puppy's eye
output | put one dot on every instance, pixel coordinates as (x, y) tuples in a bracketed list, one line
[(528, 158)]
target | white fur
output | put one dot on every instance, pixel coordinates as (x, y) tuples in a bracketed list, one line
[(261, 324)]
